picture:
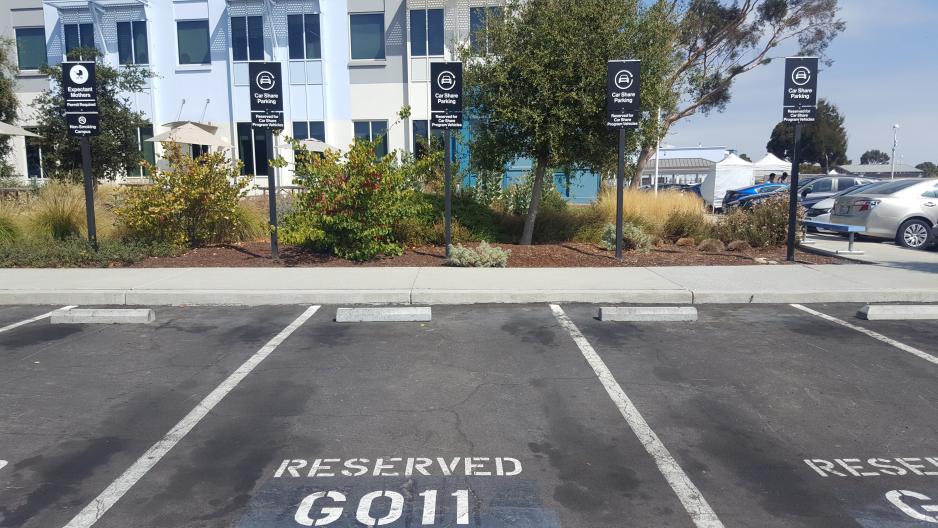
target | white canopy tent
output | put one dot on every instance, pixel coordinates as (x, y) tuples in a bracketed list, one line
[(731, 173), (770, 164)]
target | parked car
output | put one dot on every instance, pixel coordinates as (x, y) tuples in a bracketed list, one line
[(821, 211), (904, 210), (754, 190), (820, 188)]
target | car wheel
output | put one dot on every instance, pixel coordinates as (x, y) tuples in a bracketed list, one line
[(915, 234)]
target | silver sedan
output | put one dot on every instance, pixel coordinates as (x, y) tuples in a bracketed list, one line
[(904, 210)]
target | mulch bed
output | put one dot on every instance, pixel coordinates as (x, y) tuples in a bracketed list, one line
[(569, 255)]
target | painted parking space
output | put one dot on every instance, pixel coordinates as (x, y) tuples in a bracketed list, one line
[(12, 316), (921, 334), (81, 402), (782, 418), (484, 417)]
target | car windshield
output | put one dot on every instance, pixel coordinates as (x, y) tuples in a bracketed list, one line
[(869, 187)]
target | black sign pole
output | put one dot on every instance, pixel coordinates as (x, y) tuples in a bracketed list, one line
[(799, 106), (623, 110), (793, 195), (446, 113), (89, 190), (620, 191), (272, 191), (447, 191)]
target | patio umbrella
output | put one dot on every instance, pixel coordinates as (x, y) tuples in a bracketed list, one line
[(7, 129), (312, 145), (190, 134)]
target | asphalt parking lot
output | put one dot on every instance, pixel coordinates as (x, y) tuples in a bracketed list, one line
[(488, 416)]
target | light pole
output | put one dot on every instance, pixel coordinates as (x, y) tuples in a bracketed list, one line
[(657, 147), (895, 143)]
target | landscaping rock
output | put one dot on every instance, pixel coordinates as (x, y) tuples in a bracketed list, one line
[(738, 245), (711, 245)]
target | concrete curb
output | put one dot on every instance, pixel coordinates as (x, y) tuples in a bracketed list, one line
[(648, 313), (395, 314), (103, 316), (907, 312), (120, 297)]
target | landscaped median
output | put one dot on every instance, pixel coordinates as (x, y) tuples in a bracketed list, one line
[(355, 210)]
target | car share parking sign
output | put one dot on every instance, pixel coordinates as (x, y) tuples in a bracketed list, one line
[(800, 100), (81, 98), (266, 95), (446, 95), (623, 94)]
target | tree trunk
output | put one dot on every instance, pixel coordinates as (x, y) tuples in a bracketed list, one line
[(527, 235), (643, 157)]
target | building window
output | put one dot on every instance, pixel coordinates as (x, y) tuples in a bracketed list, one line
[(426, 32), (303, 36), (34, 167), (193, 41), (132, 42), (375, 131), (479, 18), (79, 36), (247, 38), (252, 150), (31, 48), (422, 138), (367, 36), (309, 130)]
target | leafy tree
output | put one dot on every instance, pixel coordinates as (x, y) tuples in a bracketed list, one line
[(8, 103), (823, 142), (717, 41), (746, 157), (113, 152), (542, 96), (929, 169), (874, 156)]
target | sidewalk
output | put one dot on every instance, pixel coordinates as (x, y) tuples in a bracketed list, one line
[(672, 285), (884, 252)]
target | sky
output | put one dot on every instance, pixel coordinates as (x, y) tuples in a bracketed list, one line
[(885, 72)]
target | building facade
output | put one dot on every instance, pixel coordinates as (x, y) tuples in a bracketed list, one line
[(349, 65)]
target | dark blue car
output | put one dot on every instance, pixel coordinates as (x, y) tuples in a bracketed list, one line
[(736, 195)]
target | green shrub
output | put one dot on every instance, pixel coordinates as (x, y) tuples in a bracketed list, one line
[(684, 224), (484, 256), (58, 211), (766, 225), (634, 237), (516, 198), (350, 203), (194, 202), (246, 223), (77, 252)]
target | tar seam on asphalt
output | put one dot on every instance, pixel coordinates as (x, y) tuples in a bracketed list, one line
[(107, 498), (693, 501), (875, 335), (34, 319)]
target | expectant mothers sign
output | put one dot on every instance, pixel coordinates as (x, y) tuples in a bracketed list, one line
[(80, 92)]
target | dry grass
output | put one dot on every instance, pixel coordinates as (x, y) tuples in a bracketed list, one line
[(57, 211), (645, 208)]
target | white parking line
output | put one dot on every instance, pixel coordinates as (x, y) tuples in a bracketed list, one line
[(34, 319), (694, 502), (875, 335), (103, 502)]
